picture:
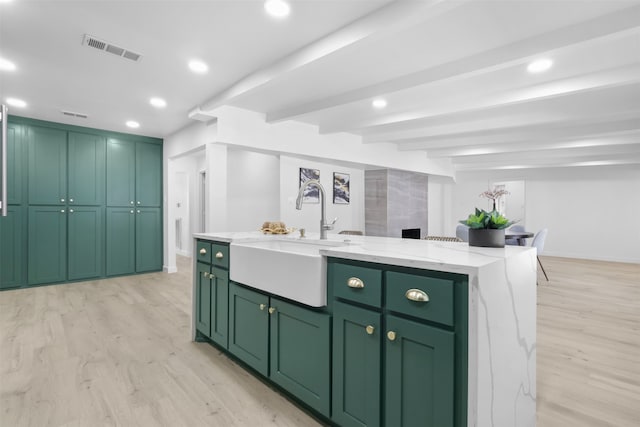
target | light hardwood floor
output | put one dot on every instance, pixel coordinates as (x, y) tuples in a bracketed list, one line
[(117, 352)]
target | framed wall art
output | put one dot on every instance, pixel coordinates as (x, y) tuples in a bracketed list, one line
[(341, 190), (311, 194)]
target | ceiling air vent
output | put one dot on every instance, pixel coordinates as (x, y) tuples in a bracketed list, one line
[(104, 46), (72, 114)]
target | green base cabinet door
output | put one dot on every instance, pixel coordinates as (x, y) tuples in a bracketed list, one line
[(121, 241), (219, 306), (148, 239), (249, 327), (203, 299), (356, 366), (12, 255), (47, 258), (419, 375), (300, 353), (47, 166), (86, 242)]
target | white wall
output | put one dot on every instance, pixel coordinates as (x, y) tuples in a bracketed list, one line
[(253, 196), (590, 212), (350, 217), (439, 205)]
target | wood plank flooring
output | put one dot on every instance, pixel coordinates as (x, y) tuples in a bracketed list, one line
[(117, 352)]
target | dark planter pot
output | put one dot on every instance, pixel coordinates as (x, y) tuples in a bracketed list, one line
[(486, 238)]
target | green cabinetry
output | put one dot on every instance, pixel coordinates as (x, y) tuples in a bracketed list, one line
[(148, 174), (399, 346), (86, 242), (134, 173), (47, 166), (47, 260), (12, 247), (86, 169), (212, 292), (148, 239), (16, 155), (286, 342)]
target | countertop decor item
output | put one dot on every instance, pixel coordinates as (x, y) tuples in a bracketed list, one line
[(486, 229), (276, 227)]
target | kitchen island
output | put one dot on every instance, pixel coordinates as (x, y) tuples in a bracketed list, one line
[(447, 332)]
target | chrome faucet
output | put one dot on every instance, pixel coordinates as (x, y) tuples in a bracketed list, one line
[(323, 215)]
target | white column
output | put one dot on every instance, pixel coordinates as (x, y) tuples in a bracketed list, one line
[(216, 187)]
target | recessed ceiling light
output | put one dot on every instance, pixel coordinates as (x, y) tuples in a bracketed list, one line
[(198, 66), (539, 65), (133, 124), (6, 65), (379, 103), (277, 8), (158, 102), (15, 102)]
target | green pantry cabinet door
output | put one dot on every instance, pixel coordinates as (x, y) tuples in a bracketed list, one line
[(419, 375), (148, 175), (47, 259), (300, 353), (148, 239), (121, 241), (121, 172), (86, 242), (12, 248), (249, 327), (86, 169), (15, 166), (47, 166), (356, 366)]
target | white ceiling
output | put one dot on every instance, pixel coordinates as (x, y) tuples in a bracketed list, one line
[(453, 72)]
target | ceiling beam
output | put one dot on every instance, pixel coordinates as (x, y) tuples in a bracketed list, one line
[(484, 62)]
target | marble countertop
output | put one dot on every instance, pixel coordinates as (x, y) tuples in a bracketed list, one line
[(454, 257)]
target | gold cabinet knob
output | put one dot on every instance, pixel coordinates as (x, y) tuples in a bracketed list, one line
[(263, 306), (203, 251), (61, 210), (212, 276), (391, 335), (61, 200), (272, 310), (417, 295), (71, 210), (219, 255), (369, 329), (70, 200), (131, 210), (205, 274), (355, 283)]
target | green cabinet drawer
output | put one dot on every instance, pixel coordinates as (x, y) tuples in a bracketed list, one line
[(404, 291), (358, 284), (220, 255), (203, 251)]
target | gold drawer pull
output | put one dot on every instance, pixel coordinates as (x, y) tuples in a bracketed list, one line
[(355, 283), (272, 310), (369, 329), (203, 251), (219, 255), (417, 295), (391, 335)]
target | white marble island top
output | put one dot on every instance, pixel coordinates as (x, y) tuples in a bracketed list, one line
[(501, 313)]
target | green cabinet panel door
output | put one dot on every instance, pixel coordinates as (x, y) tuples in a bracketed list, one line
[(86, 169), (12, 248), (121, 172), (300, 356), (47, 259), (249, 327), (419, 376), (148, 239), (86, 242), (47, 166), (219, 303), (148, 174), (15, 166), (203, 299), (356, 366), (120, 241)]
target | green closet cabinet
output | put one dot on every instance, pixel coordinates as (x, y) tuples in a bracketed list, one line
[(47, 261), (47, 166), (86, 242), (86, 155), (120, 241), (134, 173), (148, 239), (15, 164), (286, 342), (12, 248), (134, 240)]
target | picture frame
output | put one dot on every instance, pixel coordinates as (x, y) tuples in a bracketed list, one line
[(341, 188), (311, 194)]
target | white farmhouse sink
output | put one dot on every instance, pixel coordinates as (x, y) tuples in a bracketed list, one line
[(292, 269)]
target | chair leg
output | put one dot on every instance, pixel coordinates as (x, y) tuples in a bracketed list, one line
[(545, 273)]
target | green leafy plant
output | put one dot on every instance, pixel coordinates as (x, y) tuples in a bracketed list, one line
[(487, 220)]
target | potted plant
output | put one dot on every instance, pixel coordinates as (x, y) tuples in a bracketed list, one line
[(486, 229)]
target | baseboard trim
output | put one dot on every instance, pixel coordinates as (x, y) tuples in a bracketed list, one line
[(170, 269)]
